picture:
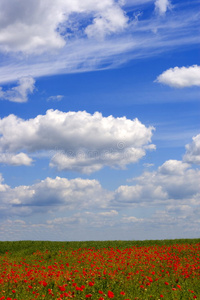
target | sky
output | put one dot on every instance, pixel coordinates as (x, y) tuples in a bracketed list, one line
[(99, 119)]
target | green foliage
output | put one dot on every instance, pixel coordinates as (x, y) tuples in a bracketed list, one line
[(123, 270), (28, 247)]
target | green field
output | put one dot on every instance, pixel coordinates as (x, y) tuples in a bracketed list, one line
[(99, 270)]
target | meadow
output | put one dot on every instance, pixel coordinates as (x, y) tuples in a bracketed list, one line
[(123, 270)]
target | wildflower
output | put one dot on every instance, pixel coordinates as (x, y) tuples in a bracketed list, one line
[(110, 294), (100, 292)]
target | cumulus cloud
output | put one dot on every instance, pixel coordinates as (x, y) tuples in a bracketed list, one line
[(20, 92), (193, 151), (172, 181), (166, 185), (3, 187), (78, 140), (181, 77), (51, 195), (109, 21), (161, 6), (169, 196), (40, 25), (15, 159)]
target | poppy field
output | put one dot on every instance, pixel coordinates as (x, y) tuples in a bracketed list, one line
[(100, 270)]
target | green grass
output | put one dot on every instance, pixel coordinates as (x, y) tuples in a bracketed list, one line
[(28, 247), (131, 270)]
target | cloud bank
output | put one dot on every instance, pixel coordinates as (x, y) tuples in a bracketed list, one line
[(52, 194), (75, 205), (181, 77), (76, 141), (174, 183), (169, 197)]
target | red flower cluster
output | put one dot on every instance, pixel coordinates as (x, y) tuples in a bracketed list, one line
[(107, 273)]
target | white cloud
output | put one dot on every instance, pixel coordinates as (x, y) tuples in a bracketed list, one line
[(181, 77), (78, 140), (111, 213), (44, 25), (193, 151), (53, 195), (19, 93), (172, 181), (148, 165), (161, 6), (106, 22), (55, 98), (173, 167), (131, 220), (163, 187), (3, 187), (128, 194), (15, 159), (69, 50), (169, 197)]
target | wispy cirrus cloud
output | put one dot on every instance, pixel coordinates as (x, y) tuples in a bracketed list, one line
[(87, 36), (55, 98)]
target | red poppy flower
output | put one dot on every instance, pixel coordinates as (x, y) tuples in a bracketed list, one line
[(110, 294)]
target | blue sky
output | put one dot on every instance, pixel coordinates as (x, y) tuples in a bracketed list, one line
[(99, 119)]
